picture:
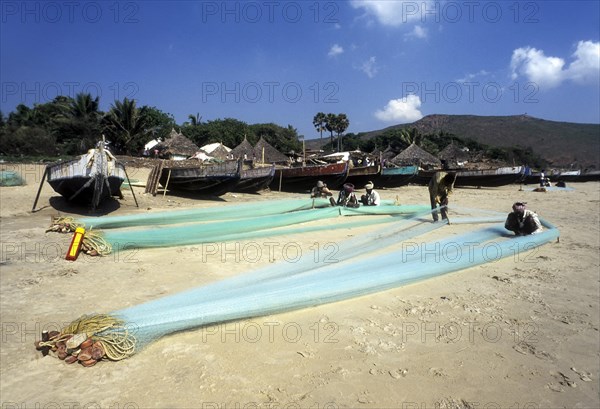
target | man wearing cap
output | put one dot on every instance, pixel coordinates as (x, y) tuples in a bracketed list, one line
[(371, 198), (347, 198), (522, 221), (440, 187), (320, 190)]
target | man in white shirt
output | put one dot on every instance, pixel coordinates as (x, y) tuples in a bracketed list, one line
[(371, 198)]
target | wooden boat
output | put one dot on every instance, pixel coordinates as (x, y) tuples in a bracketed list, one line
[(255, 180), (213, 180), (477, 178), (576, 176), (89, 179), (361, 175), (303, 178), (396, 177)]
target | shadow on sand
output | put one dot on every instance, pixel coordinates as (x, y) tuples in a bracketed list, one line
[(60, 204)]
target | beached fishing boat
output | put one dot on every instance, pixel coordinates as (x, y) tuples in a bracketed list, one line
[(303, 178), (576, 176), (396, 177), (91, 178), (361, 175), (477, 178), (213, 180), (255, 180)]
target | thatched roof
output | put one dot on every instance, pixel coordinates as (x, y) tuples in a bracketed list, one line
[(272, 155), (386, 154), (241, 149), (413, 155), (220, 152), (453, 153), (177, 144)]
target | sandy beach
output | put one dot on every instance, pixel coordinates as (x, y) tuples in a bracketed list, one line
[(521, 332)]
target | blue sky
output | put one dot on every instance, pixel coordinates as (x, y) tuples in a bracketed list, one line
[(380, 62)]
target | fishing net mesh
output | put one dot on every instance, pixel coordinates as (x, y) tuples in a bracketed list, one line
[(404, 250)]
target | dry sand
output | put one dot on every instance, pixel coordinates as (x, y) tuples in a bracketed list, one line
[(513, 334)]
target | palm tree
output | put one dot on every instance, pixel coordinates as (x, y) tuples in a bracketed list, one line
[(195, 120), (78, 122), (341, 124), (84, 107), (319, 123), (126, 125), (330, 123)]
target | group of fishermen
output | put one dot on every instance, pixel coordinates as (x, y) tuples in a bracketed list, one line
[(521, 220), (347, 196)]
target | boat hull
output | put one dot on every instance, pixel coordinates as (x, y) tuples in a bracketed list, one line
[(396, 177), (576, 177), (88, 180), (304, 178), (360, 176), (214, 180), (255, 180), (476, 178)]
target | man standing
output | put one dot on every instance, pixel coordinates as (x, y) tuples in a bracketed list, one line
[(440, 187)]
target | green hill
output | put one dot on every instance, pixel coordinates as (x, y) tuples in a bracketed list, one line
[(561, 143)]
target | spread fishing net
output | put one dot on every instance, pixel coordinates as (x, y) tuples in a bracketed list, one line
[(385, 258), (224, 223), (251, 227), (10, 178), (228, 212)]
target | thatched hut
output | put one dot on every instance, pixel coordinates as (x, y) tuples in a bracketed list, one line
[(271, 155), (453, 156), (176, 147), (413, 155), (217, 150), (386, 155), (244, 150)]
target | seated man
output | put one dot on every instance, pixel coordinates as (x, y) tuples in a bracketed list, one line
[(371, 198), (347, 198), (320, 190), (522, 221)]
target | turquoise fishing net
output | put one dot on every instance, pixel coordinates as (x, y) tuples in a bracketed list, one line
[(402, 247), (249, 227), (10, 178), (383, 259)]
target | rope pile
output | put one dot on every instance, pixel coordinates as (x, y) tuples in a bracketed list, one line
[(90, 339), (93, 244)]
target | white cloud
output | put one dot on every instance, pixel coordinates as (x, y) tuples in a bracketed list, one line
[(537, 67), (417, 32), (394, 13), (335, 50), (586, 67), (401, 110), (471, 76), (369, 67), (550, 72)]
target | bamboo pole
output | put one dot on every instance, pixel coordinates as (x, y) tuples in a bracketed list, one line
[(39, 189), (167, 183), (280, 178), (131, 187)]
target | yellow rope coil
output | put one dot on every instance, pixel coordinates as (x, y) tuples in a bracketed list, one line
[(118, 342)]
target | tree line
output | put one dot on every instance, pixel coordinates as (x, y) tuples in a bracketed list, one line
[(71, 126)]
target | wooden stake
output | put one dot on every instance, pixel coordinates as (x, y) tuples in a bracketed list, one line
[(39, 189), (167, 183), (131, 187), (280, 177)]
